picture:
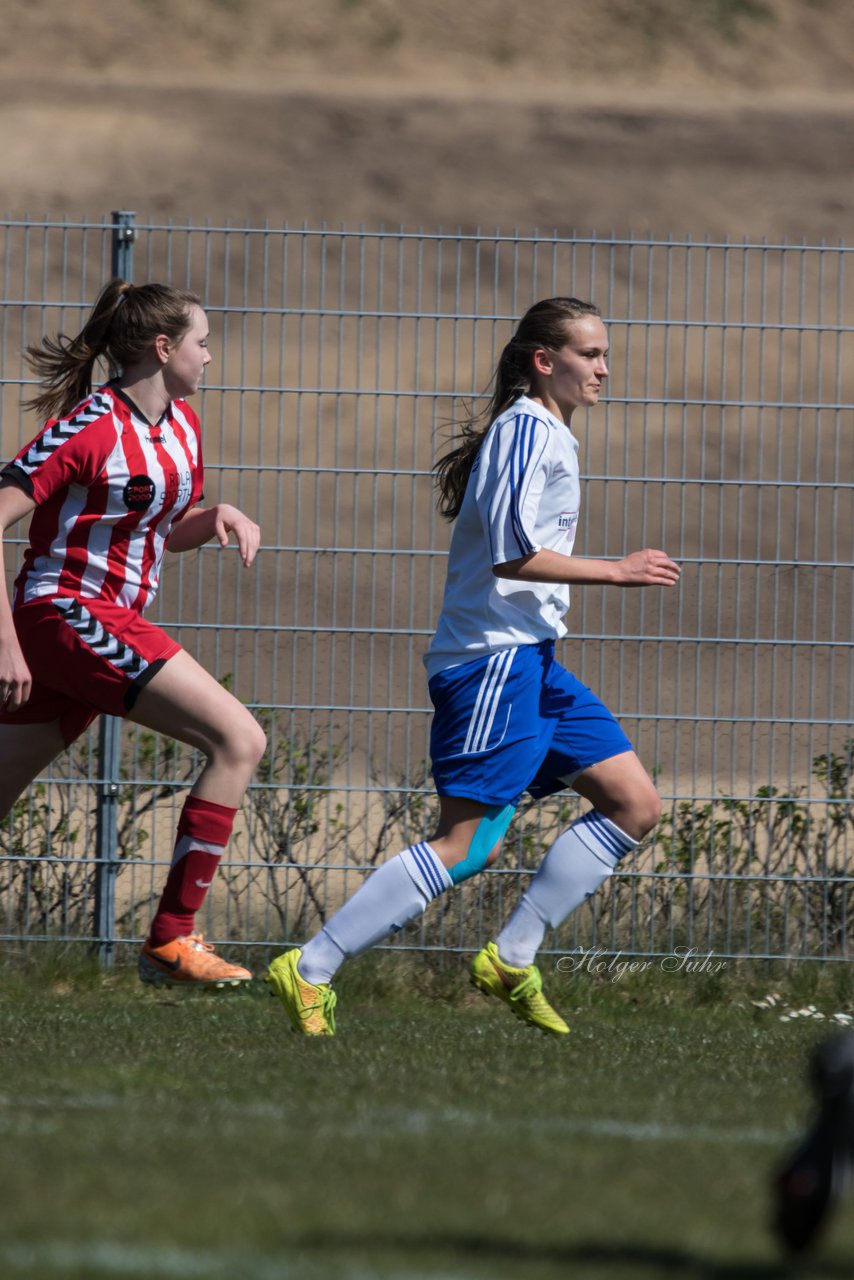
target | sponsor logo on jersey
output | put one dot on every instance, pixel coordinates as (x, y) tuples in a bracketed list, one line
[(567, 520), (138, 493), (179, 488)]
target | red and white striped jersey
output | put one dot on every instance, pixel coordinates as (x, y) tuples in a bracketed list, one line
[(109, 485)]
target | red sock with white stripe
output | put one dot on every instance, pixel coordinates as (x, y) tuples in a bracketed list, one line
[(203, 831)]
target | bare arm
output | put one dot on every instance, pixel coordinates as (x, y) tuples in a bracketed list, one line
[(204, 523), (15, 679), (647, 568)]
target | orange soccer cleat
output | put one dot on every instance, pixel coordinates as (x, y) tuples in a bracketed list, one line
[(188, 961)]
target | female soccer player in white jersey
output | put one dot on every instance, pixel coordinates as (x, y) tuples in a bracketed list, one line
[(508, 718), (112, 480)]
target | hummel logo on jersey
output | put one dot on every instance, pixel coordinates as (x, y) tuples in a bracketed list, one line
[(108, 647)]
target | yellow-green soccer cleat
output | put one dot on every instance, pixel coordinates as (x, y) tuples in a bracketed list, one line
[(521, 989), (311, 1009)]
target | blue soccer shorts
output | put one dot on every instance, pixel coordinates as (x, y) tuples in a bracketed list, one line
[(516, 721)]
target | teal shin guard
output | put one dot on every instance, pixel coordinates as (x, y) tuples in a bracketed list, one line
[(490, 832)]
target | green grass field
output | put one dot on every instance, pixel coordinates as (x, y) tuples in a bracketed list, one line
[(167, 1135)]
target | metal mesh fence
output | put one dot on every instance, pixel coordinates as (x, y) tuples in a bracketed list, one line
[(340, 360)]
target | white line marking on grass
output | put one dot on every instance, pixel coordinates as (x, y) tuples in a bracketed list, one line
[(173, 1263), (25, 1127), (390, 1123), (401, 1121), (670, 1133)]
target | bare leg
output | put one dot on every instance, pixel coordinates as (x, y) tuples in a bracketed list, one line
[(625, 807), (458, 821), (395, 893), (622, 791), (619, 788), (25, 750), (184, 701)]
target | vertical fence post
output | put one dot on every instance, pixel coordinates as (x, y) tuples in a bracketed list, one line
[(110, 729)]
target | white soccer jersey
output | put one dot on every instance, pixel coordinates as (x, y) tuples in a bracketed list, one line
[(522, 495), (109, 485)]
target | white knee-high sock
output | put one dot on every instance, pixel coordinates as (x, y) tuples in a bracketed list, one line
[(579, 861), (394, 894)]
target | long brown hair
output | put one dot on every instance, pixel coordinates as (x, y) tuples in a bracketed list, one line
[(542, 327), (124, 322)]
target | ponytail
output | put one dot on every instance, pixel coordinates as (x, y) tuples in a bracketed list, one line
[(543, 326), (124, 322), (510, 381)]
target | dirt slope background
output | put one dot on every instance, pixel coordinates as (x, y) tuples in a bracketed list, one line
[(700, 117)]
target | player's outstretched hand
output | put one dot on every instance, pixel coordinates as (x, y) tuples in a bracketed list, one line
[(647, 568), (230, 520)]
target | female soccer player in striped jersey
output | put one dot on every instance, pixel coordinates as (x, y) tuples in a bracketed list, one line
[(508, 718), (112, 480)]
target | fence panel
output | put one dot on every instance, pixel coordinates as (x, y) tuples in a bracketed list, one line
[(340, 360)]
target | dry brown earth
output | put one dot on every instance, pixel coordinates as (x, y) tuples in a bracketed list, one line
[(715, 117)]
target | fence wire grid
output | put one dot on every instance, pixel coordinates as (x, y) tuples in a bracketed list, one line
[(340, 360)]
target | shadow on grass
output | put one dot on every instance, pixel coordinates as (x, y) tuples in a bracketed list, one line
[(620, 1259)]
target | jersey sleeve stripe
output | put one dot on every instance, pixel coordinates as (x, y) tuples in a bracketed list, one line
[(523, 452)]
